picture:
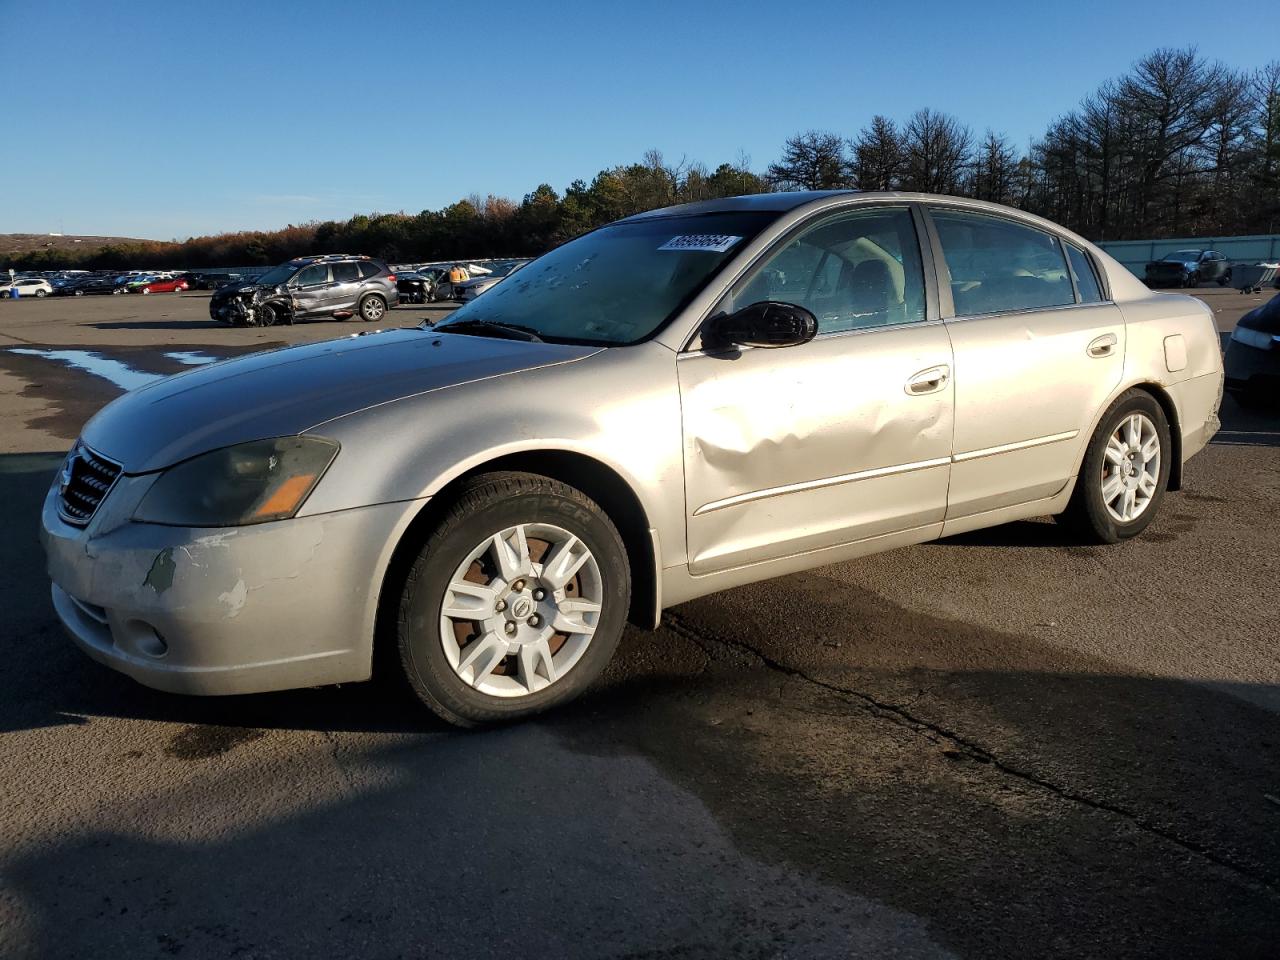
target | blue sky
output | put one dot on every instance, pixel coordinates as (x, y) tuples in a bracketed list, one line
[(171, 119)]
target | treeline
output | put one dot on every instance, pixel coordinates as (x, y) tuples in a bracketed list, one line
[(1178, 146)]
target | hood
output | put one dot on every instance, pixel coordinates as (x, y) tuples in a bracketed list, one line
[(1265, 318), (285, 392)]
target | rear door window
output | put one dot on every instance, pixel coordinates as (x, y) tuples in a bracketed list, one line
[(345, 272), (999, 266)]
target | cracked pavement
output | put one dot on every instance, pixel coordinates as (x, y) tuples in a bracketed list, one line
[(1004, 744)]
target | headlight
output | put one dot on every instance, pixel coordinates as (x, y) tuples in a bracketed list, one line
[(248, 483)]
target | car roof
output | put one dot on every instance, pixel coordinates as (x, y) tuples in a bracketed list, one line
[(767, 202)]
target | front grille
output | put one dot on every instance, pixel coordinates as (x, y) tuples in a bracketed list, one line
[(86, 478)]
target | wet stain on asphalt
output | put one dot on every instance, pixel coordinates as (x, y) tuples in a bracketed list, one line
[(74, 395), (203, 742)]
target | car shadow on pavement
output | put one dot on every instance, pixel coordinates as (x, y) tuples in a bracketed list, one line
[(743, 781)]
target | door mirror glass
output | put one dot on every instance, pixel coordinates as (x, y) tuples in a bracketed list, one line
[(765, 324)]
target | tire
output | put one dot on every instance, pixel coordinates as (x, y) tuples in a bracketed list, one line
[(79, 293), (1224, 279), (146, 291), (40, 294), (1089, 513), (1193, 280), (434, 648), (267, 315), (372, 308)]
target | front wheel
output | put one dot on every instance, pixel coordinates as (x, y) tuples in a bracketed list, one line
[(372, 308), (1125, 472), (515, 603), (267, 316)]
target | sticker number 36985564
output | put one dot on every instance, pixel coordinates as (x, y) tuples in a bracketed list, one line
[(710, 242)]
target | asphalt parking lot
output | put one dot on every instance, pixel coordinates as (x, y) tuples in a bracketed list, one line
[(1003, 744)]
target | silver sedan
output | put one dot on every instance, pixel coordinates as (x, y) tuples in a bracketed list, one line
[(686, 400)]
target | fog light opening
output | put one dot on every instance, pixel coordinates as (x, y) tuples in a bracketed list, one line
[(147, 639)]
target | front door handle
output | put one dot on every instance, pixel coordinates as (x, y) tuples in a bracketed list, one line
[(1103, 345), (929, 381)]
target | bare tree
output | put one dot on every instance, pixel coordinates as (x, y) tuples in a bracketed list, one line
[(877, 156), (936, 151), (994, 169), (814, 160)]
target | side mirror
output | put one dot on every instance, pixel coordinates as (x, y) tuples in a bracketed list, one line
[(765, 324)]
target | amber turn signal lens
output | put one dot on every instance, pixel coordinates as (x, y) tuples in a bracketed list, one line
[(286, 499)]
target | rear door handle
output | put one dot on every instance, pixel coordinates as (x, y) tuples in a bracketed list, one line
[(928, 381), (1103, 345)]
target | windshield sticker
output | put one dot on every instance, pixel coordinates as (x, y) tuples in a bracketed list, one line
[(710, 242)]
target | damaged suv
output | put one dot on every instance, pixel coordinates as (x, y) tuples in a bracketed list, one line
[(333, 285)]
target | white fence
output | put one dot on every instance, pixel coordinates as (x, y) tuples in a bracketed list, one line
[(1134, 254)]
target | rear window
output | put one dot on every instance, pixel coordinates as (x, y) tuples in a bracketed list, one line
[(1083, 273), (369, 269)]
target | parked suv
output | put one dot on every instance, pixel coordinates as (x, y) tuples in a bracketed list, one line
[(333, 285)]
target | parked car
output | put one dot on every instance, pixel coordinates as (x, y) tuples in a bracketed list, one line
[(70, 286), (421, 286), (147, 285), (1189, 268), (687, 400), (97, 285), (1253, 357), (29, 287), (471, 289), (336, 285)]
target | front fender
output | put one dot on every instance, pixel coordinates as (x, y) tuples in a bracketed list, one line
[(619, 407)]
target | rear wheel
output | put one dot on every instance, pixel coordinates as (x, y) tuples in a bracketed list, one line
[(515, 603), (372, 308), (1224, 279), (1125, 472)]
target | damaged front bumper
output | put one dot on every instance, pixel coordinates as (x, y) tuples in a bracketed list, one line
[(273, 606)]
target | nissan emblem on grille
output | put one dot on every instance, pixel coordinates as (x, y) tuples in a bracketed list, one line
[(85, 479)]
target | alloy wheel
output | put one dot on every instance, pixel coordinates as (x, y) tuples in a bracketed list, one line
[(1131, 468), (521, 609), (372, 310)]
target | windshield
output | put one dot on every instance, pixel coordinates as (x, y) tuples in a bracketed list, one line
[(619, 284), (277, 275), (1181, 256)]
